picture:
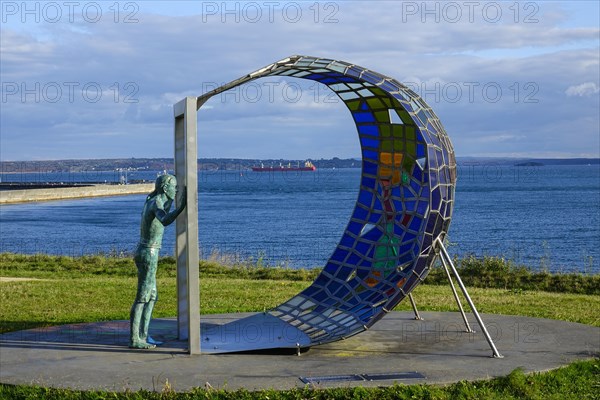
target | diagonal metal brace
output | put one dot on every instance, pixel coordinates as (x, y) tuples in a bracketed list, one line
[(447, 261)]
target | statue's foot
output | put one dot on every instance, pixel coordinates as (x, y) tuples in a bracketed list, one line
[(140, 344), (151, 340)]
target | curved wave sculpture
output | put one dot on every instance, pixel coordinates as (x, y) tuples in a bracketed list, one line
[(404, 206)]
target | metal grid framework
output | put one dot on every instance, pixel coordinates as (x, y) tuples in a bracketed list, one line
[(404, 203)]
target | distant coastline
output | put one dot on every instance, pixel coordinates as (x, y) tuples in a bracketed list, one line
[(240, 164)]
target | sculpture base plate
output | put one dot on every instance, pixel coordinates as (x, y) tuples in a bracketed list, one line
[(256, 332), (436, 350)]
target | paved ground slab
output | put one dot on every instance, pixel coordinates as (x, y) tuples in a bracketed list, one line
[(95, 355)]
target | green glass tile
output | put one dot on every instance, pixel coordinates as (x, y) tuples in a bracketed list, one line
[(388, 102), (387, 145), (407, 163), (410, 132), (385, 130), (398, 145), (375, 103), (397, 130), (411, 148), (353, 105), (404, 116), (382, 116), (377, 91), (405, 178)]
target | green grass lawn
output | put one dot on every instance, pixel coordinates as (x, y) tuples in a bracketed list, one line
[(28, 304), (70, 290)]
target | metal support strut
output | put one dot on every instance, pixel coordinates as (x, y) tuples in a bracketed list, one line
[(414, 307), (447, 261)]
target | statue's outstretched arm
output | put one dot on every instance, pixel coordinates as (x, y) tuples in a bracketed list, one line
[(166, 218)]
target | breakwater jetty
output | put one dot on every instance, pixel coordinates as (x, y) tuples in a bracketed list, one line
[(52, 192)]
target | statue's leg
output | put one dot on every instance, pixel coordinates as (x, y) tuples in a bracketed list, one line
[(147, 317), (142, 300), (135, 318), (152, 295)]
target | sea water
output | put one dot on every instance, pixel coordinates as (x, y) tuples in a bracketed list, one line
[(547, 218)]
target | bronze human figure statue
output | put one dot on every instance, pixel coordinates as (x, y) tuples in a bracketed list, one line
[(155, 216)]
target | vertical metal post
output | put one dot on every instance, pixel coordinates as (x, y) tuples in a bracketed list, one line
[(186, 242), (445, 255), (414, 307)]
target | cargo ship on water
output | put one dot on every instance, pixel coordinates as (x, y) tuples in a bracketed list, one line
[(308, 166)]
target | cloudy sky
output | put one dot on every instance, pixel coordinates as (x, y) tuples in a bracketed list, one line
[(88, 79)]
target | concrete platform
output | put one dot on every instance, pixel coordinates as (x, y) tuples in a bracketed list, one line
[(95, 355), (76, 192)]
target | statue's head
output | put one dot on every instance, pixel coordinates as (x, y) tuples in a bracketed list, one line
[(166, 184)]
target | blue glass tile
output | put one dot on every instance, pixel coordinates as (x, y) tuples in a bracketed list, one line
[(422, 117), (321, 280), (409, 236), (444, 209), (347, 241), (320, 295), (342, 292), (362, 117), (418, 173), (328, 81), (330, 267), (368, 130), (362, 247), (360, 213), (375, 217), (422, 207), (310, 291), (364, 106), (433, 177), (370, 154), (388, 86), (410, 205), (365, 198), (436, 199), (334, 286), (415, 225), (377, 205), (368, 182), (314, 77), (427, 241), (354, 71), (415, 187), (368, 142), (405, 247), (398, 230), (339, 255), (354, 227), (420, 150), (353, 259), (369, 168)]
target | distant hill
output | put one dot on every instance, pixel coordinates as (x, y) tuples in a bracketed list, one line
[(159, 164), (527, 161)]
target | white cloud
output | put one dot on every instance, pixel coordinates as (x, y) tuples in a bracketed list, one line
[(584, 89), (166, 57)]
